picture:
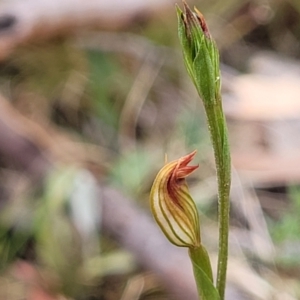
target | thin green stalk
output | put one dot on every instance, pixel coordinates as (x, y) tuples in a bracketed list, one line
[(201, 58), (203, 273), (218, 131)]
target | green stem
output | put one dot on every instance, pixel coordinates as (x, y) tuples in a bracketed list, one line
[(203, 273), (218, 131), (199, 256)]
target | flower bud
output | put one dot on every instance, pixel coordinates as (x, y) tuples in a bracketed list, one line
[(200, 53), (172, 206)]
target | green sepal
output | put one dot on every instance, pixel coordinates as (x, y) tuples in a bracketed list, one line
[(203, 72), (185, 43)]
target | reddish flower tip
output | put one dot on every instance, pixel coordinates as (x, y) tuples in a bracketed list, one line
[(182, 169), (194, 19), (202, 22)]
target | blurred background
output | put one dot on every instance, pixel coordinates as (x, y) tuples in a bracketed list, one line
[(93, 94)]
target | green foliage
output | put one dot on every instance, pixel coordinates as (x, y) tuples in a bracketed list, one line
[(288, 228), (102, 85), (131, 171), (286, 232), (58, 248), (15, 225), (192, 127), (12, 243), (165, 37), (44, 69)]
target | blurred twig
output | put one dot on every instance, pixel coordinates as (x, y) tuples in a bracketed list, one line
[(136, 98), (21, 21)]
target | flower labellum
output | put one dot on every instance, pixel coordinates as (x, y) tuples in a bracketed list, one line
[(172, 206)]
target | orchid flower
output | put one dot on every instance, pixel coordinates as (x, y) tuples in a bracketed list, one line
[(172, 206)]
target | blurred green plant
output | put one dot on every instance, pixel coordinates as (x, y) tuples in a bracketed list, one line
[(45, 68), (12, 243), (61, 231), (287, 228), (15, 229), (102, 72), (191, 127), (131, 171), (286, 231)]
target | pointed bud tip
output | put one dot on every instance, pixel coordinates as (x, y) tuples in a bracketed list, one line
[(191, 19), (202, 22), (178, 10)]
